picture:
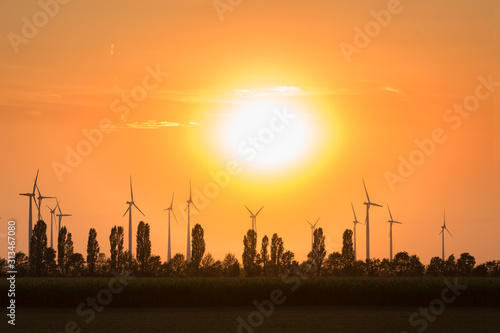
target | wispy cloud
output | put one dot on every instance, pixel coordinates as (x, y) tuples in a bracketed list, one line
[(391, 89), (151, 124)]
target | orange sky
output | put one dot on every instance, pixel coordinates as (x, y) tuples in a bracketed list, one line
[(350, 119)]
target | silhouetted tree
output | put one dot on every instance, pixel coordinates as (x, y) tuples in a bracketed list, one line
[(318, 252), (76, 263), (62, 258), (480, 270), (3, 266), (333, 264), (22, 263), (435, 267), (116, 248), (230, 265), (38, 247), (102, 264), (450, 266), (287, 261), (49, 260), (93, 249), (197, 246), (249, 252), (385, 268), (143, 246), (277, 251), (493, 268), (465, 264), (264, 255), (347, 252), (178, 265), (154, 265)]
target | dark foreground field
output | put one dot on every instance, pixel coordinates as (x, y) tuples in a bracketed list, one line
[(230, 292), (284, 319)]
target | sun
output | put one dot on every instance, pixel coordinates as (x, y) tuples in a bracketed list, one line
[(268, 135)]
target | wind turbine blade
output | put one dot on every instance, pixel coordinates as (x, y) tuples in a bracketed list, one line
[(38, 190), (316, 222), (355, 218), (190, 190), (125, 211), (249, 210), (195, 207), (36, 178), (58, 207), (259, 211), (397, 222), (138, 209), (389, 212), (174, 216), (374, 204), (310, 224), (366, 191), (131, 192), (449, 232), (172, 203), (186, 207)]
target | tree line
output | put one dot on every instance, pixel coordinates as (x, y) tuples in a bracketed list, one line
[(272, 259)]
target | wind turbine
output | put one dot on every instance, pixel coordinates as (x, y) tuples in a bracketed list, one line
[(368, 204), (52, 218), (30, 218), (170, 210), (60, 216), (254, 218), (129, 211), (443, 228), (189, 203), (313, 226), (355, 222), (391, 221), (40, 198)]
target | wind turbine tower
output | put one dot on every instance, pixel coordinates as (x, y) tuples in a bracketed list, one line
[(129, 211), (443, 228), (354, 229), (313, 227), (254, 218), (30, 215), (368, 204), (170, 210), (391, 221), (189, 203)]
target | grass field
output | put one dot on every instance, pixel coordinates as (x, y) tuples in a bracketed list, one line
[(207, 292), (284, 319)]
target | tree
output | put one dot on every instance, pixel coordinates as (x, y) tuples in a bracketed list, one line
[(287, 261), (197, 246), (154, 265), (249, 252), (38, 247), (231, 265), (62, 256), (178, 265), (450, 266), (264, 255), (93, 249), (347, 252), (76, 263), (465, 264), (22, 263), (277, 250), (143, 246), (334, 264), (49, 261), (435, 267), (116, 248), (318, 252)]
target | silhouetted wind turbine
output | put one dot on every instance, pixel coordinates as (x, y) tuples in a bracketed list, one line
[(170, 210), (313, 226), (129, 210), (443, 228), (368, 204), (60, 216), (30, 218), (189, 203), (391, 221), (355, 222), (254, 218), (40, 198), (52, 218)]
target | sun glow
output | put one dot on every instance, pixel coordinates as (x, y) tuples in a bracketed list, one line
[(268, 135)]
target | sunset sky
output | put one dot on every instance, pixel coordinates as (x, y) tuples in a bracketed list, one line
[(180, 88)]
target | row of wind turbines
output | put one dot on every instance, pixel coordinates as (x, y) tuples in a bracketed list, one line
[(253, 216), (33, 198)]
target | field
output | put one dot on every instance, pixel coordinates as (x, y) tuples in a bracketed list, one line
[(287, 319), (208, 292)]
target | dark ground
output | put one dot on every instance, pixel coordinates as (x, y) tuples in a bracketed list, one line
[(284, 319)]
